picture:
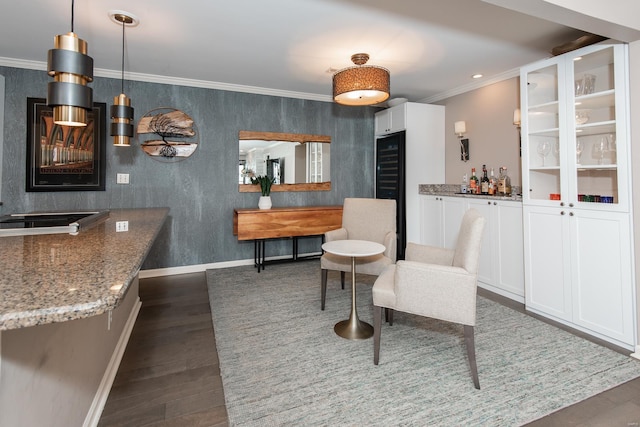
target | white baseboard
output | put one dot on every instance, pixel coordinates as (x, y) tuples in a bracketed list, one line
[(636, 354), (100, 399), (199, 268)]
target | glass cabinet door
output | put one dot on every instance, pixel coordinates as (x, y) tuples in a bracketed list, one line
[(541, 89), (574, 129), (594, 170)]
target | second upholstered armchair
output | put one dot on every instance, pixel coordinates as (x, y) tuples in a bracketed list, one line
[(435, 282), (373, 220)]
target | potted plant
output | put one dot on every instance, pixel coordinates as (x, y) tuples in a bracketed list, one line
[(265, 187)]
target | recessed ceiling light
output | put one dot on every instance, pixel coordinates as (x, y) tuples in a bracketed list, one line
[(476, 76)]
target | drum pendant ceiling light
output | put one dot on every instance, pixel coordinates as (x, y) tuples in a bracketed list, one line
[(121, 110), (361, 84), (71, 69)]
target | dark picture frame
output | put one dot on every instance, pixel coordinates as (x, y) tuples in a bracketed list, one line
[(64, 158)]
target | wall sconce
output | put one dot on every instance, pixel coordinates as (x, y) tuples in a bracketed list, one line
[(460, 129), (517, 121)]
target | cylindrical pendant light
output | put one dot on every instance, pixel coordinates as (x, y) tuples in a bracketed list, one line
[(71, 69), (361, 84), (121, 110)]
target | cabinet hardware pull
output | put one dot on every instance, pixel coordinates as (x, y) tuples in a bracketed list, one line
[(570, 213), (561, 212), (570, 205)]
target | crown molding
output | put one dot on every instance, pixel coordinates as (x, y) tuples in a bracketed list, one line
[(153, 78), (471, 86)]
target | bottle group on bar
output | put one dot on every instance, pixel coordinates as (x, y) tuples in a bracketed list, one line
[(487, 185)]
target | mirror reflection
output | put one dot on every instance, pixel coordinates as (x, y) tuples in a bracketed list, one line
[(287, 158)]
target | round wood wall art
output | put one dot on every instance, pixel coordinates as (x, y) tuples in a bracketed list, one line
[(167, 134)]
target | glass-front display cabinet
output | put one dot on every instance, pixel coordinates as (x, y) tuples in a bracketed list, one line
[(575, 131)]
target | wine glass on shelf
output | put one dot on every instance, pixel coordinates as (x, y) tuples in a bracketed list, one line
[(600, 149), (544, 148), (611, 142), (611, 147), (579, 148)]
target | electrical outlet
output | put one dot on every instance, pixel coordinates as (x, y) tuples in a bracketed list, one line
[(122, 178), (122, 225)]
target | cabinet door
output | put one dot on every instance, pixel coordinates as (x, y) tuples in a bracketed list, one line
[(509, 257), (602, 278), (391, 120), (546, 252), (431, 220), (487, 253), (383, 122), (543, 115), (453, 209), (597, 137)]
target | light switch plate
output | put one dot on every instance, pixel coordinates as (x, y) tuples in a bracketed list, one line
[(122, 225)]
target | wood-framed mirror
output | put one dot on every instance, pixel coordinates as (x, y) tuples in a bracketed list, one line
[(298, 162)]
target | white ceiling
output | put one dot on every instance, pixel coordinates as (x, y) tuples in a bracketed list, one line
[(291, 47)]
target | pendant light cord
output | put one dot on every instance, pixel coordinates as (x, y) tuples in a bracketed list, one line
[(122, 79), (72, 4)]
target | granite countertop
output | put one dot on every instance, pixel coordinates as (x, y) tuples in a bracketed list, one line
[(453, 190), (59, 277)]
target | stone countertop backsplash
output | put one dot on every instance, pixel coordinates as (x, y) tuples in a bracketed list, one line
[(53, 278), (453, 190)]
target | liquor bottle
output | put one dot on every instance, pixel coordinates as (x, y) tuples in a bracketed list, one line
[(473, 182), (504, 182), (484, 183), (493, 184), (507, 182)]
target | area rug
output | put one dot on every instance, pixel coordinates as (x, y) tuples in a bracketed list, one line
[(282, 364)]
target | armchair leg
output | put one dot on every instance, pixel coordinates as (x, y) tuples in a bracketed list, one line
[(342, 279), (323, 287), (377, 325), (471, 354), (388, 315)]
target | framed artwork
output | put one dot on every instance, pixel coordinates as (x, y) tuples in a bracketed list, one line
[(64, 158)]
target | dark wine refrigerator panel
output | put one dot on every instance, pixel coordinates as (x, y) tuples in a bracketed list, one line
[(390, 179)]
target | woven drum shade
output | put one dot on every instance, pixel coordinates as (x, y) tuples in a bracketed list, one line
[(361, 84)]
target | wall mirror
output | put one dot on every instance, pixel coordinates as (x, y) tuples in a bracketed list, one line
[(298, 162)]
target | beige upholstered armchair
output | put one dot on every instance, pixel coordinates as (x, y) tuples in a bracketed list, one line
[(434, 282), (362, 219)]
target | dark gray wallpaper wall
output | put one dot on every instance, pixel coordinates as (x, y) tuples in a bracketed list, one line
[(201, 191)]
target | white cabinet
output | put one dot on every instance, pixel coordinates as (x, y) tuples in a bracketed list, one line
[(501, 259), (580, 270), (391, 120), (576, 192), (424, 159), (440, 219), (501, 268)]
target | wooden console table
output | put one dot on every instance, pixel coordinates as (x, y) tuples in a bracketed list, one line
[(262, 224)]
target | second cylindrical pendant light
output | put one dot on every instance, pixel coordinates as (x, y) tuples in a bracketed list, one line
[(121, 110)]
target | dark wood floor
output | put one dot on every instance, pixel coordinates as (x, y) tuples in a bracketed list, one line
[(169, 375)]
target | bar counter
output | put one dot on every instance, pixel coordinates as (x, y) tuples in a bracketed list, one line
[(60, 277)]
